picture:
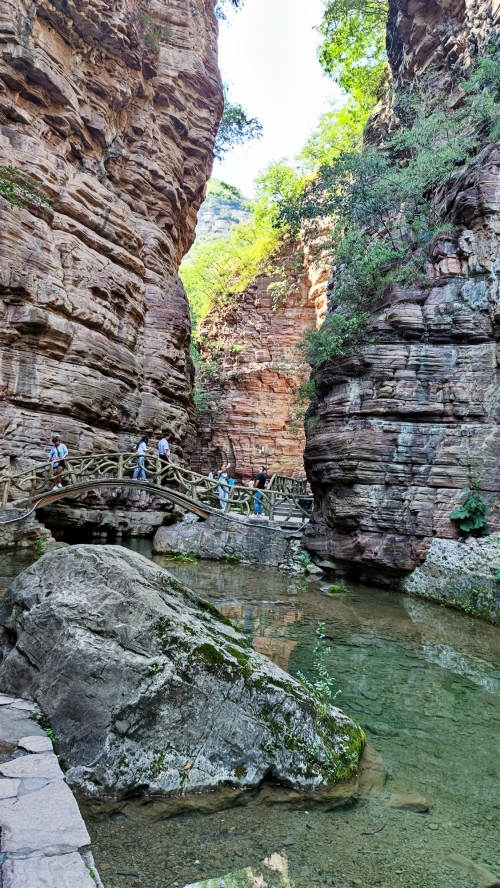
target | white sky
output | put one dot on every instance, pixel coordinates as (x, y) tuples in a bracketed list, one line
[(268, 59)]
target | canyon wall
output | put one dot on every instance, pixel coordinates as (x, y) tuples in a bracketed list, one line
[(252, 372), (413, 418), (112, 109)]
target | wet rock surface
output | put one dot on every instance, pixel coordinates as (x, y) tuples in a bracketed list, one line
[(149, 689), (253, 541)]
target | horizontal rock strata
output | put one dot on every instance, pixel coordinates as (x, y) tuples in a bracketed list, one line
[(248, 417), (111, 109), (400, 429)]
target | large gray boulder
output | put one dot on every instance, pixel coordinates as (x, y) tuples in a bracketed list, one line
[(463, 574), (149, 688)]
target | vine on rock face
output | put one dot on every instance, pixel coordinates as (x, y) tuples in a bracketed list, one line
[(152, 34)]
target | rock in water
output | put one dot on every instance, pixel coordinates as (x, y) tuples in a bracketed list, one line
[(149, 688)]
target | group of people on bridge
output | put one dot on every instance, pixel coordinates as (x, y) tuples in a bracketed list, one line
[(143, 448), (59, 451), (225, 481)]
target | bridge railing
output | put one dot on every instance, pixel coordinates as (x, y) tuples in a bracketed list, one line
[(285, 484), (25, 487)]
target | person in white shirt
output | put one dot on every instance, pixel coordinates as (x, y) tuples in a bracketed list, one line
[(58, 452), (164, 451), (142, 448)]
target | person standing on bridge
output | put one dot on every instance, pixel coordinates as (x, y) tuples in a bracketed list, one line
[(142, 448), (164, 452), (57, 454), (223, 488), (259, 484)]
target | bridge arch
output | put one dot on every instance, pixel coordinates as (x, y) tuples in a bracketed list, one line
[(179, 499)]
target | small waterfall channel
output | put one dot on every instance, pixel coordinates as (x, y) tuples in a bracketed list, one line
[(423, 681)]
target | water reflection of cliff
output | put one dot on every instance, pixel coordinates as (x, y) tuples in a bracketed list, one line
[(269, 628), (270, 606)]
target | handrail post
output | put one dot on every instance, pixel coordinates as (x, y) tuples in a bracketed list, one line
[(5, 493), (272, 505), (120, 466), (158, 471)]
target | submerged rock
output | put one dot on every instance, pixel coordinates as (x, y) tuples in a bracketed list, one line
[(148, 688), (270, 873)]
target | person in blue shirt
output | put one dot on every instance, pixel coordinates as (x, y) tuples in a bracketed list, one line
[(164, 452), (57, 454)]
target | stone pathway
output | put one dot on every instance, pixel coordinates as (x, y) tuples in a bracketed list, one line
[(44, 841)]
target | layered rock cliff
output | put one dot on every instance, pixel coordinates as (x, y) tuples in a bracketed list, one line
[(249, 415), (413, 418), (112, 109)]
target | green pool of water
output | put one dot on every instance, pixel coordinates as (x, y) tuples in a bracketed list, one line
[(424, 683)]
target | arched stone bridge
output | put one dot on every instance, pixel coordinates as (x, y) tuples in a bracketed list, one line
[(284, 501)]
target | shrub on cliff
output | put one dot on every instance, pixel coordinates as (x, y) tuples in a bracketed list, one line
[(18, 190), (379, 203)]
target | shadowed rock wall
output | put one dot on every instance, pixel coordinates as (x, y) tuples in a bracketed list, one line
[(113, 109), (401, 428)]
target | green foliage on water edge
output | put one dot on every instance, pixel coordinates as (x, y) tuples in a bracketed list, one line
[(322, 684), (39, 547)]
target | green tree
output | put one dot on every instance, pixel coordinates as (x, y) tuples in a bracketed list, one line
[(235, 128), (376, 208), (217, 270), (220, 9), (353, 47)]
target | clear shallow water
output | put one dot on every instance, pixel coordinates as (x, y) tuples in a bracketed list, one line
[(424, 683)]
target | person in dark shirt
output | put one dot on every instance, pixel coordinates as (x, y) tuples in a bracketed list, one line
[(259, 484)]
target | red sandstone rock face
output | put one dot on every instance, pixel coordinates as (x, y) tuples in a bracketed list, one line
[(95, 327), (415, 416), (436, 34), (249, 418)]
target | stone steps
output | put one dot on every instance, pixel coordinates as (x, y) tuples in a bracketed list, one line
[(44, 840)]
